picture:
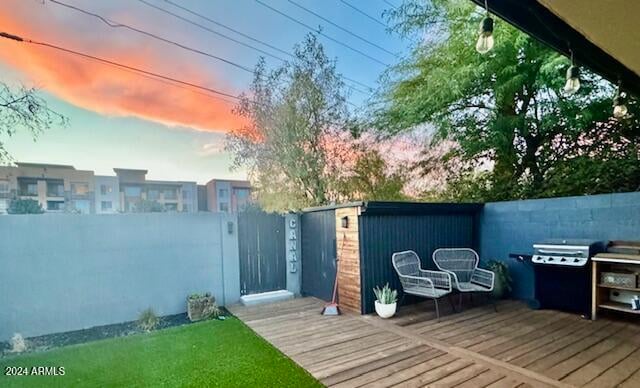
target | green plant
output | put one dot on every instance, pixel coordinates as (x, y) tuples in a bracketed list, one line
[(25, 206), (386, 295), (148, 320), (196, 295), (503, 278)]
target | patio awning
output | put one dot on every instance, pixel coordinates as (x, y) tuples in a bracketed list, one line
[(603, 34)]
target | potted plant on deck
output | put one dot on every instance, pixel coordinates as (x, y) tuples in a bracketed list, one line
[(502, 283), (386, 301)]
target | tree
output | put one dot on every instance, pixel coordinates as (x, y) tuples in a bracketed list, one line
[(513, 133), (23, 109), (25, 206), (150, 206), (370, 180), (296, 115)]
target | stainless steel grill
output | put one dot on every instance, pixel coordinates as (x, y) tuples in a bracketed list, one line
[(563, 274), (574, 253)]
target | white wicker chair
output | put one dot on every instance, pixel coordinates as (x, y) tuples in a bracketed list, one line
[(462, 264), (418, 281)]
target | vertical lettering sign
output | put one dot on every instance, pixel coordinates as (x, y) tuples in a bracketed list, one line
[(293, 246)]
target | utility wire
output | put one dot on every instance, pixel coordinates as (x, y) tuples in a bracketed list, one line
[(390, 4), (341, 28), (114, 24), (318, 31), (362, 12), (217, 23), (117, 64), (240, 33), (142, 72)]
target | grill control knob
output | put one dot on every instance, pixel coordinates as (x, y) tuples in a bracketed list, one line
[(550, 258), (576, 260), (563, 259)]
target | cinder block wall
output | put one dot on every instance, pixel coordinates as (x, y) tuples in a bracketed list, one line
[(514, 226), (67, 272)]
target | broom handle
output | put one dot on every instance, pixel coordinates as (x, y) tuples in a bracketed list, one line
[(335, 284)]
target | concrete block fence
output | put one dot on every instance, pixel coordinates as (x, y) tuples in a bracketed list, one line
[(67, 272), (514, 226)]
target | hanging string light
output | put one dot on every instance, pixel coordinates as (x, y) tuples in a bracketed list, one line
[(619, 108), (573, 78), (485, 40)]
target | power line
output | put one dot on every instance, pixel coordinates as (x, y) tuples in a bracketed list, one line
[(242, 34), (318, 31), (117, 64), (142, 72), (217, 23), (341, 28), (390, 4), (363, 13), (115, 24)]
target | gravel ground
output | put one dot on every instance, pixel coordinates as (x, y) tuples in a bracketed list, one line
[(51, 341)]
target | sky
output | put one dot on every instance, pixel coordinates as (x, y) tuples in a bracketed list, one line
[(121, 119)]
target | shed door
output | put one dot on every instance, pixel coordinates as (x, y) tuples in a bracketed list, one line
[(318, 253)]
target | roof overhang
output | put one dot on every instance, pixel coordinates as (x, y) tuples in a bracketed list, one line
[(604, 35)]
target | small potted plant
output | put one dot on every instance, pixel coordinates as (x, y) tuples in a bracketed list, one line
[(502, 283), (386, 301), (200, 306)]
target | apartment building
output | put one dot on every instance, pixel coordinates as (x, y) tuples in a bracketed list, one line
[(57, 188), (107, 194), (136, 192), (62, 188), (227, 195)]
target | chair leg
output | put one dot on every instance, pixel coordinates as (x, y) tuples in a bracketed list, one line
[(453, 305), (493, 302), (471, 299), (437, 310), (460, 301), (401, 299)]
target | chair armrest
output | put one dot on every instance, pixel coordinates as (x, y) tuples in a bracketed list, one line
[(483, 277), (453, 278), (441, 279)]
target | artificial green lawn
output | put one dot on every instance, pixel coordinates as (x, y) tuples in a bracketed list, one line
[(213, 353)]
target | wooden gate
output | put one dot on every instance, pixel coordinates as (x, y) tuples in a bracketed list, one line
[(261, 243)]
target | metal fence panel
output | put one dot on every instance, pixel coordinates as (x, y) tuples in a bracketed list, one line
[(261, 244)]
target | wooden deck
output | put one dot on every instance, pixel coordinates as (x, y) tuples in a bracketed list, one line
[(516, 347)]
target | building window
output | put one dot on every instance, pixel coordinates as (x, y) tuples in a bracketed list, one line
[(79, 188), (186, 194), (4, 189), (132, 191), (83, 206), (29, 189), (105, 189), (4, 204), (106, 205), (223, 193), (55, 206), (153, 194), (170, 194), (171, 207), (224, 207), (55, 189)]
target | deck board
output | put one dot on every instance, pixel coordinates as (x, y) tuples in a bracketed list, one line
[(515, 347)]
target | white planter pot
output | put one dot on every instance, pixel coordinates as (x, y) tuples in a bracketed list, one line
[(385, 310)]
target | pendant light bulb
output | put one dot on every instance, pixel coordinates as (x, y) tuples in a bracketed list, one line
[(619, 108), (573, 80), (485, 38)]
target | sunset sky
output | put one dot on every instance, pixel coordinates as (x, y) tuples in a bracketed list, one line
[(122, 119)]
